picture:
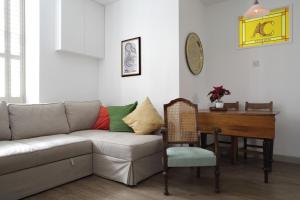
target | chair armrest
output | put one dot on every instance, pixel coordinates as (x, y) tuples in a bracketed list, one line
[(163, 131)]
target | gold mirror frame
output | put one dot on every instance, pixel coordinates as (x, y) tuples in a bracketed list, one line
[(194, 53)]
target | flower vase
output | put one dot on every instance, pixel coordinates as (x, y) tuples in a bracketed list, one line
[(219, 104)]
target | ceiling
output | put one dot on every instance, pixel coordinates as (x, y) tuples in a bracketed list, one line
[(206, 2), (105, 2), (209, 2)]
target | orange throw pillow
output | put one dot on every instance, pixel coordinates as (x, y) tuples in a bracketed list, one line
[(102, 122)]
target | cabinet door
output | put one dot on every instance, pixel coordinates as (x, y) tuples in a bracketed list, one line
[(94, 29), (72, 25)]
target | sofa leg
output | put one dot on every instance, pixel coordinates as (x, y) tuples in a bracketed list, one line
[(132, 186)]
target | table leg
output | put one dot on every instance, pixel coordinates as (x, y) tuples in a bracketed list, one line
[(267, 147), (203, 140), (271, 155), (245, 148), (234, 149)]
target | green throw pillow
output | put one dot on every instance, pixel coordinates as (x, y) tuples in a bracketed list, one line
[(116, 114)]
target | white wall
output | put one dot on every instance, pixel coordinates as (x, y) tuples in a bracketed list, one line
[(156, 22), (276, 79), (192, 19), (63, 76), (32, 23)]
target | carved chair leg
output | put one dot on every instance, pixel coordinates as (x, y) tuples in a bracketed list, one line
[(245, 148), (165, 173), (217, 179), (198, 172)]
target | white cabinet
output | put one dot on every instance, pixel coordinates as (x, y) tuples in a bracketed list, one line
[(94, 28), (80, 27)]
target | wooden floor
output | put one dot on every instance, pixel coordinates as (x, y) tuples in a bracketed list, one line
[(242, 181)]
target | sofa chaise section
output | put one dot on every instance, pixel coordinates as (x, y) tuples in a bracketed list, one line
[(124, 157)]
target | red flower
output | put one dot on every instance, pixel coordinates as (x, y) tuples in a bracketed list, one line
[(217, 93)]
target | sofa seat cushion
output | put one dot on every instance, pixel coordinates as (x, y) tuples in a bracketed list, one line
[(126, 146), (21, 154)]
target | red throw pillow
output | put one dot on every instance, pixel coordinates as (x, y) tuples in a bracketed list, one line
[(102, 122)]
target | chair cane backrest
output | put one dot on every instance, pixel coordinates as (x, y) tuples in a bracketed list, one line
[(232, 106), (181, 121), (259, 106)]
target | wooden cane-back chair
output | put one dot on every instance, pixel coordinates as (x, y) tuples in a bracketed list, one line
[(182, 128), (259, 106), (256, 107), (234, 140), (232, 106)]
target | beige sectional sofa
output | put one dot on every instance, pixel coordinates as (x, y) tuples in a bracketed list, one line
[(46, 145)]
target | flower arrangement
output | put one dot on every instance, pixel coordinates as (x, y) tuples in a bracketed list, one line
[(217, 93)]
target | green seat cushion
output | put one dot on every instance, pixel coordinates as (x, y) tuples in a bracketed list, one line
[(116, 114), (190, 157)]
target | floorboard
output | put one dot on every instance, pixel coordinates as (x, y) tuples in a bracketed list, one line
[(242, 181)]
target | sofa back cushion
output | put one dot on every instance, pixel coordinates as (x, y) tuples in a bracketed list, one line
[(29, 121), (5, 133), (82, 115)]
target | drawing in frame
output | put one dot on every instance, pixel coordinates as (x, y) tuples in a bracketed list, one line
[(131, 57)]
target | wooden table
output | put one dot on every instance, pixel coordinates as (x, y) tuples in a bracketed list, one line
[(250, 124)]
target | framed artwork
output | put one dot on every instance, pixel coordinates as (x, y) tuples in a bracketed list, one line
[(270, 29), (131, 57)]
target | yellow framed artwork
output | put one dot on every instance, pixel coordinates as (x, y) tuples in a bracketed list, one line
[(271, 29)]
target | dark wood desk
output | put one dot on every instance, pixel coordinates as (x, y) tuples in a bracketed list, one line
[(250, 124)]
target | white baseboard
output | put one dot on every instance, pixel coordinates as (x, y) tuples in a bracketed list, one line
[(287, 159)]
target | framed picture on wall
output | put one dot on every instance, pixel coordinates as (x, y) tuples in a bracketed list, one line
[(131, 57)]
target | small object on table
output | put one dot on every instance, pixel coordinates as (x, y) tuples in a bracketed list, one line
[(216, 95)]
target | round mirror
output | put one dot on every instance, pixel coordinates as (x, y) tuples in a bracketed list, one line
[(194, 53)]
